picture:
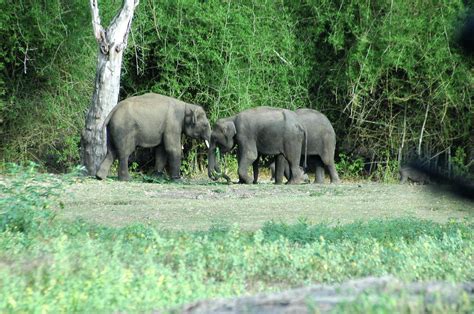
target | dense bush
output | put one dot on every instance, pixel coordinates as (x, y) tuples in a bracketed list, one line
[(388, 74)]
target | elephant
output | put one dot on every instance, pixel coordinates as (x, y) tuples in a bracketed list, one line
[(287, 172), (152, 120), (321, 145), (413, 174), (256, 132)]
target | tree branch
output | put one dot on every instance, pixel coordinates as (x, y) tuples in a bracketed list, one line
[(99, 31), (423, 129), (126, 13)]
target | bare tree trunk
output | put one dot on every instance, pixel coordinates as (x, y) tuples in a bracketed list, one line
[(112, 42)]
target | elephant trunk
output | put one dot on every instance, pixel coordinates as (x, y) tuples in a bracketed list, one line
[(213, 167)]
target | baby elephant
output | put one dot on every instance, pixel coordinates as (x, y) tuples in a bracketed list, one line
[(152, 120), (414, 175), (286, 172)]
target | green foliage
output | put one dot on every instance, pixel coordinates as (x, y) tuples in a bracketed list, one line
[(76, 267), (25, 198), (459, 162), (48, 67), (226, 56), (388, 74), (403, 302), (383, 231), (387, 172), (348, 168)]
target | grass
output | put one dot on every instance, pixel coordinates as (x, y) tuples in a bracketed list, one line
[(199, 205), (58, 265), (82, 268)]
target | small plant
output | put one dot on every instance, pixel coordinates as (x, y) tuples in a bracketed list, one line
[(348, 168), (459, 162), (187, 167), (26, 196), (386, 172)]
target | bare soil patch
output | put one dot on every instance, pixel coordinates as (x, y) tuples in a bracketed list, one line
[(198, 204)]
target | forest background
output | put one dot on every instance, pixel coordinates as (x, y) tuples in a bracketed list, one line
[(388, 74)]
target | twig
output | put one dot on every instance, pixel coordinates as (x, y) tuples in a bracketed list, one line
[(281, 58), (423, 129)]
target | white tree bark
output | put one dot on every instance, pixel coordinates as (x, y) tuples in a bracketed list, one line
[(112, 42)]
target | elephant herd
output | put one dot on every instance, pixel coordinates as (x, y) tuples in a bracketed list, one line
[(294, 138)]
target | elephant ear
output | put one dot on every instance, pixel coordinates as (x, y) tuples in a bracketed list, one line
[(190, 115), (230, 130)]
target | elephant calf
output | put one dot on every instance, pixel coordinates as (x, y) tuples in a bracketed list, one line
[(414, 175), (259, 131), (321, 141), (286, 172), (152, 120)]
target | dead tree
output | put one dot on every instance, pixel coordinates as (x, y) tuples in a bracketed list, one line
[(112, 42)]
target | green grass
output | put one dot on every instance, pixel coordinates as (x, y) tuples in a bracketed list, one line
[(55, 265), (79, 267)]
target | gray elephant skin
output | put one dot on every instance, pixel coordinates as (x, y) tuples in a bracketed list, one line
[(255, 132), (321, 145), (152, 120), (409, 173)]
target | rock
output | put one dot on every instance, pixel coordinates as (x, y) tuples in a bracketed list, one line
[(322, 298)]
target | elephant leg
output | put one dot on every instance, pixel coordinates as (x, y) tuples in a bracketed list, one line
[(123, 167), (272, 170), (255, 171), (318, 170), (247, 157), (125, 149), (173, 151), (280, 165), (160, 160), (105, 165), (287, 170), (174, 159), (296, 174), (403, 176), (328, 160), (333, 173), (319, 174)]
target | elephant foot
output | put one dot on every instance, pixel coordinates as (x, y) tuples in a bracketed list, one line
[(306, 178), (177, 180), (336, 181), (159, 174), (244, 181), (296, 181), (100, 176)]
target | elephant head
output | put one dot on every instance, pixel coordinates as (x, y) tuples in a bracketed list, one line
[(196, 124), (222, 137)]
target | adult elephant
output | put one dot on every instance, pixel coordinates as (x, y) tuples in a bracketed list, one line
[(321, 145), (152, 120), (259, 131)]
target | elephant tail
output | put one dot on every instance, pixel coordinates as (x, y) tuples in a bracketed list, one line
[(305, 164)]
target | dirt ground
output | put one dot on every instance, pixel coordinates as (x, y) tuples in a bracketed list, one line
[(199, 204)]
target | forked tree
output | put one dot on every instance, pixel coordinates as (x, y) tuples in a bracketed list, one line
[(112, 42)]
